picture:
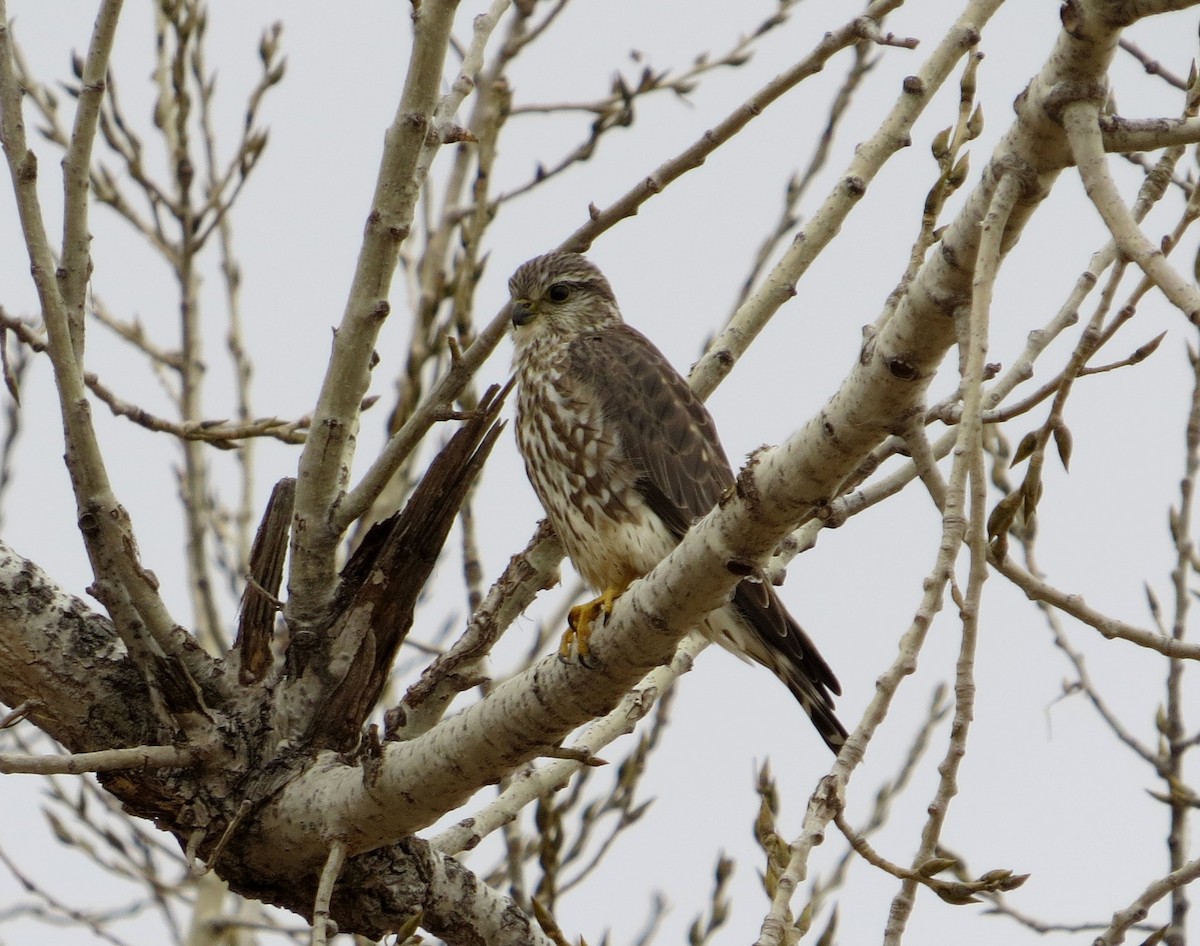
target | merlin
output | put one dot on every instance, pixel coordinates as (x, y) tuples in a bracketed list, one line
[(625, 457)]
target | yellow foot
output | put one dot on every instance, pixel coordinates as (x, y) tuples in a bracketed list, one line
[(580, 620)]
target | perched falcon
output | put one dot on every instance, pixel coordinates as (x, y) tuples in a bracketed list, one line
[(624, 457)]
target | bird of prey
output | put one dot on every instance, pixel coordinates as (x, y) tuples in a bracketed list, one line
[(624, 457)]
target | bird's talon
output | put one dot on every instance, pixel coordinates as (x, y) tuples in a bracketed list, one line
[(579, 629), (587, 661), (580, 620), (568, 640)]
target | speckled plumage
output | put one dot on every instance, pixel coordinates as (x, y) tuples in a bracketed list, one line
[(624, 457)]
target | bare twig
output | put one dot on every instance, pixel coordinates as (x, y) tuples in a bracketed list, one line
[(1081, 122), (1152, 66), (862, 27), (1123, 920), (964, 519), (1075, 606), (106, 760), (322, 925), (219, 433)]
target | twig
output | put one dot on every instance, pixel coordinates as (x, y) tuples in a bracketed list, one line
[(964, 519), (1081, 124), (798, 184), (322, 925), (244, 160), (239, 816), (1083, 682), (1039, 590), (219, 433), (956, 892), (860, 28), (893, 134), (97, 925), (1152, 66), (1123, 920), (1171, 722), (1000, 907), (886, 795), (20, 713), (76, 261), (617, 109), (105, 760), (924, 459)]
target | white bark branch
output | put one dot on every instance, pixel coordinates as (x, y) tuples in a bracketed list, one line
[(325, 463), (471, 830), (1122, 135), (1081, 123), (122, 584), (1137, 911), (893, 134), (322, 926), (105, 760), (76, 256)]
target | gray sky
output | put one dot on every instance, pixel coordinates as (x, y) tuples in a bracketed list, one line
[(1045, 789)]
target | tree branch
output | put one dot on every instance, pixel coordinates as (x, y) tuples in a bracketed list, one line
[(158, 645), (1123, 920), (76, 257), (869, 157), (1081, 124), (860, 28), (325, 462), (106, 760)]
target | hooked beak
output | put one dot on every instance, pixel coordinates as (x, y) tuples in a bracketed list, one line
[(520, 312)]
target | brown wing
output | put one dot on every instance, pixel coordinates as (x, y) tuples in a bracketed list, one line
[(667, 433), (664, 429)]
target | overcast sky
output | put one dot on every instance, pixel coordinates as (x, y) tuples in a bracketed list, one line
[(676, 268)]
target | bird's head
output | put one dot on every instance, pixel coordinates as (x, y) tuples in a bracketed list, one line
[(559, 294)]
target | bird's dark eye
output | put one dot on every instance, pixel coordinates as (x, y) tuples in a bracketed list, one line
[(559, 292)]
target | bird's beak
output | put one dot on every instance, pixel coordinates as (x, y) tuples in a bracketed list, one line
[(520, 311)]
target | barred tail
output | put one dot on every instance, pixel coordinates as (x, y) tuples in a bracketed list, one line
[(756, 625)]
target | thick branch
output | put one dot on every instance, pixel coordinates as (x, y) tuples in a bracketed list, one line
[(67, 666), (67, 662), (325, 462)]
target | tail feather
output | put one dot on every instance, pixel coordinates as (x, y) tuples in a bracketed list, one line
[(762, 630)]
